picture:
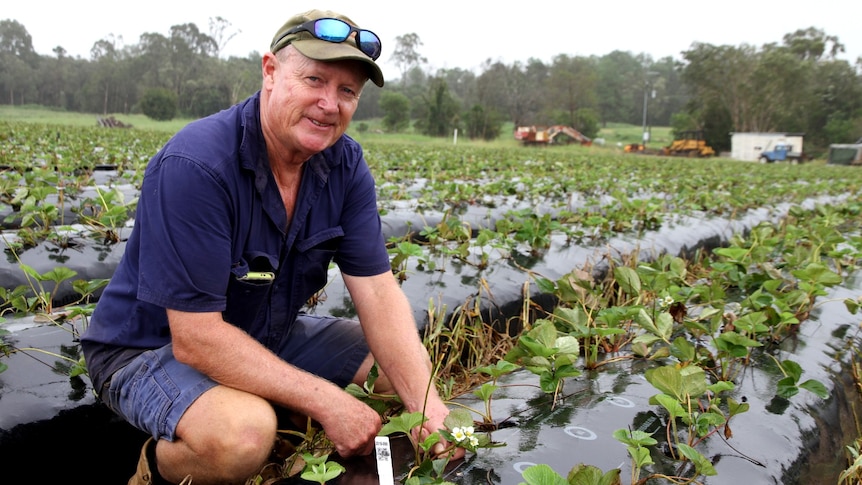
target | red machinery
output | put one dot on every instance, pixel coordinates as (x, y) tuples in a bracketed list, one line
[(550, 135)]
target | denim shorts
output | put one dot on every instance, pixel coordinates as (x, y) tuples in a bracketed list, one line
[(154, 390)]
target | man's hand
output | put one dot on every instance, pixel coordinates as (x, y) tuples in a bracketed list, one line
[(436, 415), (351, 426)]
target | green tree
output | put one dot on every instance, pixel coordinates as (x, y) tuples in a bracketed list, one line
[(241, 76), (106, 79), (671, 94), (406, 55), (721, 76), (369, 102), (15, 76), (795, 87), (18, 63), (207, 98), (443, 110), (812, 43), (462, 84), (220, 33), (490, 88), (835, 104), (159, 104), (527, 91), (396, 109), (570, 87), (482, 123), (619, 87), (16, 42)]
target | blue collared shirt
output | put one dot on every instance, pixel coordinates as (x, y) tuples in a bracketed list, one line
[(210, 211)]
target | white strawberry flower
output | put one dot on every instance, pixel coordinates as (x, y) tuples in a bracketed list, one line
[(666, 301)]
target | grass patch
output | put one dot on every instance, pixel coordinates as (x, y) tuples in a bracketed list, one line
[(613, 133), (51, 116)]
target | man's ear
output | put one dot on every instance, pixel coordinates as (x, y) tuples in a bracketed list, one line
[(268, 65)]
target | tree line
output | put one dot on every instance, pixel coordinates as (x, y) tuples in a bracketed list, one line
[(797, 86)]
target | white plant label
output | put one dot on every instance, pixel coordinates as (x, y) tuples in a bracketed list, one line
[(384, 460)]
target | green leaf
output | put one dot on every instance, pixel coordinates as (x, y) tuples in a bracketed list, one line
[(646, 339), (735, 254), (682, 349), (818, 273), (645, 322), (545, 333), (738, 340), (634, 438), (703, 466), (458, 418), (816, 387), (542, 475), (734, 407), (673, 406), (485, 391), (708, 419), (582, 474), (787, 388), (852, 305), (403, 423), (693, 380), (29, 271), (664, 323), (545, 285), (628, 280), (536, 347), (59, 274), (666, 379), (567, 344), (678, 267), (548, 382), (792, 369), (431, 440), (310, 459), (567, 370), (641, 456), (542, 363), (498, 369)]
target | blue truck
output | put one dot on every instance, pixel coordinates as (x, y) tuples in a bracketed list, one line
[(781, 152)]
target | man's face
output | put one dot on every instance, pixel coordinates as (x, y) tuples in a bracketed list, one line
[(309, 103)]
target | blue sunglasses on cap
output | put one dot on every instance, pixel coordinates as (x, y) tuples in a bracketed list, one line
[(337, 31)]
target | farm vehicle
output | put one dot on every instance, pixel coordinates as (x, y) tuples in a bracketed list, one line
[(550, 135), (686, 144), (782, 152), (689, 144)]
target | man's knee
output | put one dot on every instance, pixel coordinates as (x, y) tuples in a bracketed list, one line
[(233, 432)]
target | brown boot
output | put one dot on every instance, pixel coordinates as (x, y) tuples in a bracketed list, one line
[(143, 475)]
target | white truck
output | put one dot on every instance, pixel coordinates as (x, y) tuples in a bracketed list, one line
[(782, 152)]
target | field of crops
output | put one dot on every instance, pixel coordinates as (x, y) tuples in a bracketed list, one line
[(582, 274)]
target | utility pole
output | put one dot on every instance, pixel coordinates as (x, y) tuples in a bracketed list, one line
[(647, 91), (645, 135)]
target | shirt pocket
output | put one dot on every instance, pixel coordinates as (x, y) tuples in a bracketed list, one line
[(313, 257), (248, 290)]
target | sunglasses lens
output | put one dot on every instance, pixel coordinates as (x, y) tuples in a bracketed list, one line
[(369, 43), (333, 30)]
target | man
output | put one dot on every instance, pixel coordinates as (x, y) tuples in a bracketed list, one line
[(199, 338)]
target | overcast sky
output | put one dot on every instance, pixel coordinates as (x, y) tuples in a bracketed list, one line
[(456, 34)]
